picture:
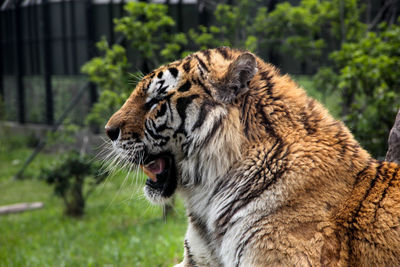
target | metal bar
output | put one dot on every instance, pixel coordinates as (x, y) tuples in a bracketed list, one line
[(180, 16), (57, 124), (73, 37), (121, 8), (110, 21), (37, 42), (47, 56), (31, 22), (19, 60), (2, 48), (90, 46), (64, 38)]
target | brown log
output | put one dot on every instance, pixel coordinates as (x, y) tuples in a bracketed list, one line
[(20, 207), (393, 153)]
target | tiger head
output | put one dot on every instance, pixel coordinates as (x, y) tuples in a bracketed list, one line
[(181, 122)]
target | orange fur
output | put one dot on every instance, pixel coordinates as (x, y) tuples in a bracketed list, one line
[(332, 204)]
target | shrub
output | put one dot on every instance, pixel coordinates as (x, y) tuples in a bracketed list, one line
[(74, 178), (367, 73)]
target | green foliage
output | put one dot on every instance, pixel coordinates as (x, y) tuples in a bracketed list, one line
[(110, 73), (235, 26), (69, 177), (368, 74), (149, 29), (365, 67), (308, 29)]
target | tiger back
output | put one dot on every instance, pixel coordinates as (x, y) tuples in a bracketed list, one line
[(268, 177)]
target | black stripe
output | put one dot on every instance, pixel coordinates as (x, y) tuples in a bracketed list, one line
[(186, 65), (162, 127), (189, 254), (185, 87), (171, 113), (266, 76), (223, 50), (174, 72), (204, 110), (148, 105), (197, 176), (248, 194), (200, 227), (213, 131), (202, 86), (245, 114), (160, 74), (206, 54), (266, 121), (202, 64), (361, 173), (352, 229), (181, 105), (154, 135), (161, 88), (371, 185), (243, 244), (394, 175), (153, 101), (162, 110), (135, 136)]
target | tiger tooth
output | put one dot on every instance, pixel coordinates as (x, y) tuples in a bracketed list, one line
[(151, 175)]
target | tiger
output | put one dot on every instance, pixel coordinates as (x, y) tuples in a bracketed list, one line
[(268, 177)]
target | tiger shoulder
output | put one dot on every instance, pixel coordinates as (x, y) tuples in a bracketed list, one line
[(268, 177)]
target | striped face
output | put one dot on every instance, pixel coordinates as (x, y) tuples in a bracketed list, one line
[(173, 114)]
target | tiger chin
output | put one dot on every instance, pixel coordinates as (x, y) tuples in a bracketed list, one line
[(268, 177)]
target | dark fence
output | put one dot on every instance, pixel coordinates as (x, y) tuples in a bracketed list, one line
[(43, 45)]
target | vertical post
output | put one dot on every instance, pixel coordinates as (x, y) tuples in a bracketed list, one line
[(19, 60), (121, 8), (2, 47), (202, 13), (73, 37), (90, 46), (110, 22), (36, 34), (31, 22), (180, 16), (64, 38), (47, 61)]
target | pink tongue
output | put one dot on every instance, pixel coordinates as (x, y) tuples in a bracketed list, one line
[(156, 166)]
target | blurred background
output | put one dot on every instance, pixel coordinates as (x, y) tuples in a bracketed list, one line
[(66, 66)]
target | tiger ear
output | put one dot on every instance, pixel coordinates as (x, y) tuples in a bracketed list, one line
[(237, 79)]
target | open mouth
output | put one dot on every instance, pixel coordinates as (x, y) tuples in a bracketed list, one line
[(161, 171)]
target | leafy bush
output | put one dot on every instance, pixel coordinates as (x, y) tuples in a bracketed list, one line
[(234, 26), (364, 68), (367, 73), (311, 28), (147, 28), (74, 178), (110, 73)]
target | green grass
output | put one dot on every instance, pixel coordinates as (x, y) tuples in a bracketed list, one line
[(120, 228)]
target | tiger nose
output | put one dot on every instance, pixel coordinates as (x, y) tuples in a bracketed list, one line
[(112, 132)]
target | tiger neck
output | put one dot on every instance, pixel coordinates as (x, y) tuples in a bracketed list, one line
[(202, 170)]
